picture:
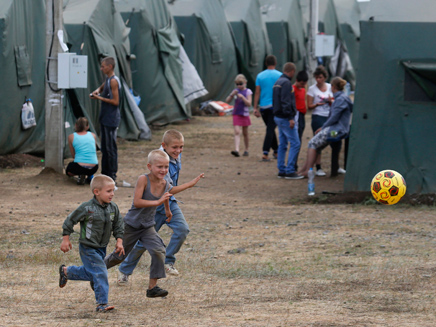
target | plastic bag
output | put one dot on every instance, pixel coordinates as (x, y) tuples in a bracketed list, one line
[(28, 114)]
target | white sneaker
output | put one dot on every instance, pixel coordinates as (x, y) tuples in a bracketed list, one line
[(341, 171), (123, 279), (320, 173), (170, 270)]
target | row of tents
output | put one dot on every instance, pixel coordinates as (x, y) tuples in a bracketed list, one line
[(170, 54), (175, 54)]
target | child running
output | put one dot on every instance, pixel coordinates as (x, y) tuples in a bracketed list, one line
[(241, 114), (98, 218), (173, 143), (151, 191)]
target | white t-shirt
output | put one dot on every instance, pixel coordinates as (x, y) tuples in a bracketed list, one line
[(319, 96)]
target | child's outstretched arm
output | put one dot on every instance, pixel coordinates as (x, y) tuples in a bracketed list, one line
[(180, 188), (140, 187)]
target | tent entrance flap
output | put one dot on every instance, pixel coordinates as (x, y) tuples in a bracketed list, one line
[(169, 47), (424, 75)]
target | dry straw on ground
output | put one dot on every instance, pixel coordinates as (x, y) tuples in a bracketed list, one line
[(259, 253)]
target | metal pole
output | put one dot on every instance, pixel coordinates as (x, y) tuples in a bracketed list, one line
[(54, 118), (313, 31), (314, 5)]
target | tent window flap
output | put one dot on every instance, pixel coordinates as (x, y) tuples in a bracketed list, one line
[(420, 81), (23, 65)]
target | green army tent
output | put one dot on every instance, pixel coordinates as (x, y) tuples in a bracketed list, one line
[(22, 63), (398, 10), (208, 43), (250, 34), (395, 102), (284, 22), (348, 15), (94, 28), (157, 70)]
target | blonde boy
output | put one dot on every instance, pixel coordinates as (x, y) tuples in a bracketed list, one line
[(98, 218), (172, 143), (151, 191)]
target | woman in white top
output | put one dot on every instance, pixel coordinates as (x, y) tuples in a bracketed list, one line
[(319, 99)]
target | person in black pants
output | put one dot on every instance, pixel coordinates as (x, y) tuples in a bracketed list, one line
[(109, 95), (263, 104)]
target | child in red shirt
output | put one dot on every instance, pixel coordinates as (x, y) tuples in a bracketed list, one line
[(300, 102)]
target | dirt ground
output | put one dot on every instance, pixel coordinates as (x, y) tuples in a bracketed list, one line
[(260, 251)]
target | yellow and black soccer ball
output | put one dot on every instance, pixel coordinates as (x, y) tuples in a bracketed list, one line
[(388, 187)]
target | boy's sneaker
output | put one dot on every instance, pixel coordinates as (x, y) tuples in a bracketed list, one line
[(81, 180), (123, 279), (63, 279), (170, 270), (320, 173), (281, 175), (293, 175), (341, 171), (104, 308), (157, 292)]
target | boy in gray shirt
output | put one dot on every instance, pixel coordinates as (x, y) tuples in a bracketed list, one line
[(139, 221)]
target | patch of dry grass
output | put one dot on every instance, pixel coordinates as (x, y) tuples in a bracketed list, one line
[(256, 255)]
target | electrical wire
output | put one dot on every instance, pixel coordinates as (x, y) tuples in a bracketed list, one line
[(49, 54)]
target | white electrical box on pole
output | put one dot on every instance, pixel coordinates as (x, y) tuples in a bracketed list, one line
[(54, 117)]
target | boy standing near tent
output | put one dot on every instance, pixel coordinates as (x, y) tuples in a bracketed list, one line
[(98, 218), (172, 144), (109, 95)]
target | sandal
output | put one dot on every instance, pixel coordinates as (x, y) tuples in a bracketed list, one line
[(63, 279), (104, 308), (245, 154)]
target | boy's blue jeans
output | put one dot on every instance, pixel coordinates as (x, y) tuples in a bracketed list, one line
[(93, 269), (180, 231), (287, 135)]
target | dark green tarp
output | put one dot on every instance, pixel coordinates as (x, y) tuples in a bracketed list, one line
[(157, 70), (395, 108), (284, 22), (22, 64), (208, 43), (95, 29), (249, 33)]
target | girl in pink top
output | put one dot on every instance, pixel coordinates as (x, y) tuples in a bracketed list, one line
[(241, 114)]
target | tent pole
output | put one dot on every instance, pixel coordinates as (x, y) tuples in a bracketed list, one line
[(54, 118)]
